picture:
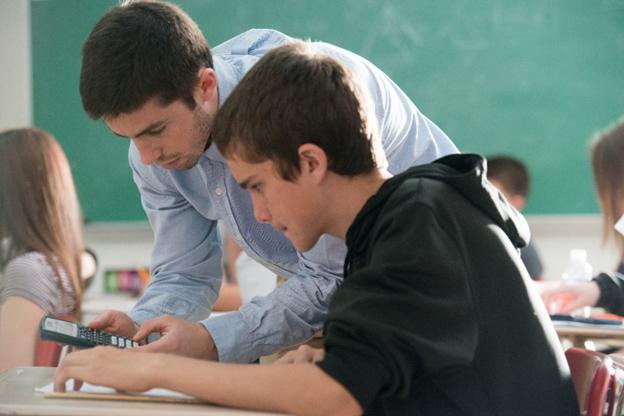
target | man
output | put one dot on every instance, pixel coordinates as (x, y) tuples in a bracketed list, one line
[(417, 327), (148, 73), (511, 177)]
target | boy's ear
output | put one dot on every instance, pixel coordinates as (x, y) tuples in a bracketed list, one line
[(205, 93), (313, 161)]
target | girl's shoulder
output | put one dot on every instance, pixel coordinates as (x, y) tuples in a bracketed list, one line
[(30, 275)]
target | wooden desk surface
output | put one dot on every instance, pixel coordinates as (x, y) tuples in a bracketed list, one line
[(579, 333), (17, 397)]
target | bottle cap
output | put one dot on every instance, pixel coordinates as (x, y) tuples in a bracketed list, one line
[(578, 254)]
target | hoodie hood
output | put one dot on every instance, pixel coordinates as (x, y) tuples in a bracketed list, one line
[(467, 173)]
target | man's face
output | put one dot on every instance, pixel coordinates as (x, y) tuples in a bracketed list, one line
[(172, 136), (295, 208)]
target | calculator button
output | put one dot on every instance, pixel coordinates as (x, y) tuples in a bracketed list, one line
[(114, 340), (122, 344), (135, 344)]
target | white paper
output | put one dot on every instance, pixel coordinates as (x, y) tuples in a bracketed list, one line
[(91, 388), (619, 226)]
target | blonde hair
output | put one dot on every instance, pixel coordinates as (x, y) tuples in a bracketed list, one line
[(607, 155), (39, 209)]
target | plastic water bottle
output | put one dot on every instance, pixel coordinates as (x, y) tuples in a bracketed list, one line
[(578, 271)]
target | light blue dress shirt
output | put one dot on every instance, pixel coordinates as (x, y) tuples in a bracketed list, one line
[(183, 209)]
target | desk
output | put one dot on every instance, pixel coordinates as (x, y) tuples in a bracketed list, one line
[(578, 334), (17, 397)]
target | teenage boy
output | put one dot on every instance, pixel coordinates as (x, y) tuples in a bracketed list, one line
[(511, 177), (148, 72), (418, 326)]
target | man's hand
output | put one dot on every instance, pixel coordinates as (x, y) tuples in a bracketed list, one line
[(115, 322), (177, 336), (303, 354)]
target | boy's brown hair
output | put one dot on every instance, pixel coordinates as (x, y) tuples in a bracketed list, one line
[(511, 173), (138, 51), (295, 95)]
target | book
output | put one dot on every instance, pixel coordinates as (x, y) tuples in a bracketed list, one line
[(94, 392)]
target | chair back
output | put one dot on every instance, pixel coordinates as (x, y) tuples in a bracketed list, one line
[(594, 378), (618, 361), (48, 353)]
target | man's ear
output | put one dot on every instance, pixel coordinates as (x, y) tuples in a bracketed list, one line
[(206, 92), (312, 161)]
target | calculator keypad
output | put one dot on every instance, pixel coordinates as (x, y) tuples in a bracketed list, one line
[(96, 337)]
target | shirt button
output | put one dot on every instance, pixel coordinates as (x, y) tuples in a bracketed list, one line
[(218, 191)]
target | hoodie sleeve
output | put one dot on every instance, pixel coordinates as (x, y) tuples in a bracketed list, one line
[(611, 292), (409, 312)]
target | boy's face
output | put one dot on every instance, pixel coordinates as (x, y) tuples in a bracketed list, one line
[(172, 136), (295, 208), (517, 201)]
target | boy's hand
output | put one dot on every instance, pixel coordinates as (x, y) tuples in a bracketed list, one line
[(177, 336), (303, 354), (110, 367)]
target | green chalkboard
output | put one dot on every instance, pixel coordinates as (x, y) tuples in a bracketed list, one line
[(533, 78)]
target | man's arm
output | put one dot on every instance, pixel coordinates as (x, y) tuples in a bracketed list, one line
[(186, 259), (289, 315)]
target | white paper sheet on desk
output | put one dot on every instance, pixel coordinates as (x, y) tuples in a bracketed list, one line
[(91, 388)]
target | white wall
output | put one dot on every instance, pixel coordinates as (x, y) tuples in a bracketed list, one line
[(15, 67), (123, 245), (555, 236)]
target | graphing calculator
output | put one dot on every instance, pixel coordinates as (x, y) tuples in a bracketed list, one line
[(72, 333)]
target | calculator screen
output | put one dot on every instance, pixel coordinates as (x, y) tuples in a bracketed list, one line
[(62, 327)]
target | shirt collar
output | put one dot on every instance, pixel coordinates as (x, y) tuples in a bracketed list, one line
[(226, 81), (226, 77)]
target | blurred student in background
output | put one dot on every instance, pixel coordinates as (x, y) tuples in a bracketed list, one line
[(607, 289), (512, 179), (41, 241)]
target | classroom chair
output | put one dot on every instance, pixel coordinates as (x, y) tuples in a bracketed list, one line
[(618, 360), (598, 381), (48, 353)]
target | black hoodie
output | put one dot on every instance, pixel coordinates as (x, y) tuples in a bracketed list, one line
[(437, 315)]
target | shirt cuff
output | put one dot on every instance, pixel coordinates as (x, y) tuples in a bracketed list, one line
[(610, 296), (231, 337)]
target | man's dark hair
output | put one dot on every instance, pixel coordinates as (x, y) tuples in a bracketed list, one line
[(511, 173), (292, 96), (139, 51)]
